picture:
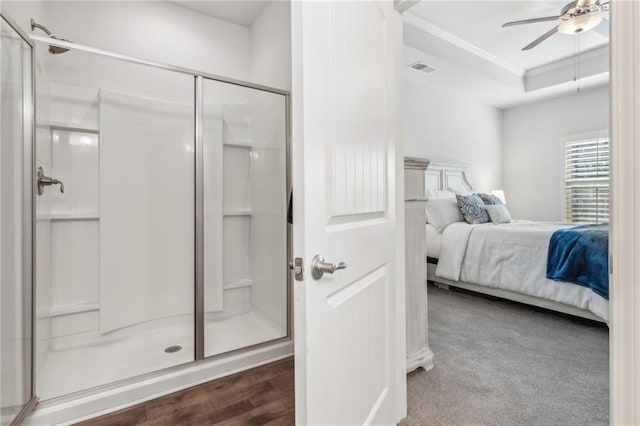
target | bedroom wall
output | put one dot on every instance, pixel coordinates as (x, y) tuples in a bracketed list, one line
[(533, 149), (443, 126)]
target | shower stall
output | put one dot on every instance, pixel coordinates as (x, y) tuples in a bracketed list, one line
[(159, 217)]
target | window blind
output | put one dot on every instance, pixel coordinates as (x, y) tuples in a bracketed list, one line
[(587, 180)]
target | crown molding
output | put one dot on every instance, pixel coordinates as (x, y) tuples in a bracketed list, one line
[(601, 52), (462, 44), (404, 5), (594, 62)]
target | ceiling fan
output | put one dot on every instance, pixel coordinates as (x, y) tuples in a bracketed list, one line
[(577, 16)]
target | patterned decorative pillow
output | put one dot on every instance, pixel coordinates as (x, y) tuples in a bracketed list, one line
[(490, 200), (473, 209)]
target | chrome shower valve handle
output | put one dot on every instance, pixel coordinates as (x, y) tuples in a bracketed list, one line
[(47, 181)]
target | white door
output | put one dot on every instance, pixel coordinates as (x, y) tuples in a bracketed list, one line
[(349, 325)]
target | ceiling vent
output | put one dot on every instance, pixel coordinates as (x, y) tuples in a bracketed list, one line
[(422, 67)]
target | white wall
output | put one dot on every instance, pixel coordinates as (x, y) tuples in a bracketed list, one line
[(153, 30), (444, 126), (271, 46), (533, 147), (68, 94)]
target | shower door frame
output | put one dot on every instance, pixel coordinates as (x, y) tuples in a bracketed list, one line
[(199, 311), (29, 122)]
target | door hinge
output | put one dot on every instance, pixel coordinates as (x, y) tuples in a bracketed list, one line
[(297, 267)]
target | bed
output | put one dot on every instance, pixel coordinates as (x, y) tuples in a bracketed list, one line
[(507, 260)]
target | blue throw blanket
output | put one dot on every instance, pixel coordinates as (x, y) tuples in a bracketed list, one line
[(580, 255)]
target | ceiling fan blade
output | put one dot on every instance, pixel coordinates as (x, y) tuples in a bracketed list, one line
[(530, 21), (541, 39)]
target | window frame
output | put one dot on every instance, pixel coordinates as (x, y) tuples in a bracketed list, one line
[(600, 134)]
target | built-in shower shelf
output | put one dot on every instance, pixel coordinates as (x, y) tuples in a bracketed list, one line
[(68, 309), (244, 212), (248, 145), (239, 144), (70, 126), (61, 216), (245, 282)]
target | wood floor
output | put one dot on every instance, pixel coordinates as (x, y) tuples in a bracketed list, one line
[(260, 396)]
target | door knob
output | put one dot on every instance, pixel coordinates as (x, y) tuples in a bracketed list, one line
[(319, 267), (47, 181)]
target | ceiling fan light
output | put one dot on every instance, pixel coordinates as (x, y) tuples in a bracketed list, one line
[(580, 24)]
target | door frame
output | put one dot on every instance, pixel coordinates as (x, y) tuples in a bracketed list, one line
[(624, 316), (29, 165)]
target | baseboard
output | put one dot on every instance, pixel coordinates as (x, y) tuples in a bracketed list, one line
[(86, 405)]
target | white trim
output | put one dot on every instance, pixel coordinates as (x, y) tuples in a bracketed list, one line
[(595, 53), (403, 5), (625, 214), (462, 44), (298, 193)]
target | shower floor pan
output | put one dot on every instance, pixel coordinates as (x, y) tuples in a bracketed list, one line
[(83, 367)]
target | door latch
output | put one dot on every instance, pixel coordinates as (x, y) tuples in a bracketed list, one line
[(297, 267)]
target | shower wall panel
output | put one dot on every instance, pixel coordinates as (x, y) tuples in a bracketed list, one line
[(147, 212), (67, 224)]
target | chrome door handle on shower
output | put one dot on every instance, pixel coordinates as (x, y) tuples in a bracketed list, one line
[(319, 267), (47, 181)]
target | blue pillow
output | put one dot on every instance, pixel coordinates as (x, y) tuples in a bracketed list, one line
[(473, 209), (490, 200)]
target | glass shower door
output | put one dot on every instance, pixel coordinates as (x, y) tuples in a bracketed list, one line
[(245, 216), (115, 235), (16, 115)]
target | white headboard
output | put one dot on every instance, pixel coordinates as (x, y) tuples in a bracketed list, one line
[(446, 175)]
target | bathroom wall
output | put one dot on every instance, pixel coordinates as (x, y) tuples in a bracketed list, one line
[(73, 299), (73, 229), (154, 30)]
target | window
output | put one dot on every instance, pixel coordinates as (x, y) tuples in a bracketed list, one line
[(586, 180)]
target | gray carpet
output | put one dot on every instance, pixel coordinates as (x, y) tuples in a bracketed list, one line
[(503, 363)]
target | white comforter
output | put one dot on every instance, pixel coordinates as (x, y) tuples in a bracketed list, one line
[(512, 257)]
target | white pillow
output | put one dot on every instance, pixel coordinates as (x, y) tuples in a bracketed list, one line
[(437, 194), (498, 213), (442, 212)]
